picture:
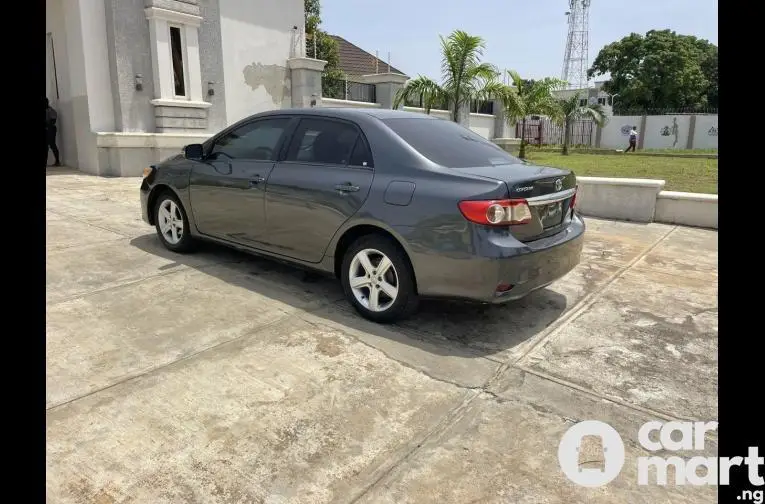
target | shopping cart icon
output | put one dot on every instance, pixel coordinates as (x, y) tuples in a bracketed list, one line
[(592, 454)]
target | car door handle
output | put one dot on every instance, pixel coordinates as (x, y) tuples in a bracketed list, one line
[(347, 187), (256, 180)]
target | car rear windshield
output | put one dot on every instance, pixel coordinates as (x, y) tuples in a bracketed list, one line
[(449, 144)]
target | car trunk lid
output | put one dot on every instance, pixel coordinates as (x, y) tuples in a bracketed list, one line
[(548, 192)]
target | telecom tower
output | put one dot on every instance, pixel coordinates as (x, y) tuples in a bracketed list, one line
[(575, 61)]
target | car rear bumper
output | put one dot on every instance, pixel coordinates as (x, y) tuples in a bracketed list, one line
[(538, 268), (500, 261)]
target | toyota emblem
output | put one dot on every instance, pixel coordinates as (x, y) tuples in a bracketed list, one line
[(558, 185)]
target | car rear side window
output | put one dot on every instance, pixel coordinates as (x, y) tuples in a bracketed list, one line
[(448, 144), (361, 155), (323, 141), (256, 140)]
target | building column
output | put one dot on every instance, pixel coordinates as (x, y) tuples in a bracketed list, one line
[(386, 87), (464, 116), (305, 81), (90, 77)]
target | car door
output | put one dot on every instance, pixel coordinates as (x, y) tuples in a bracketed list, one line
[(322, 180), (227, 186)]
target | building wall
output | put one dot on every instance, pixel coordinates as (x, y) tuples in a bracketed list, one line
[(211, 61), (616, 133), (705, 132), (128, 34), (658, 132), (257, 39)]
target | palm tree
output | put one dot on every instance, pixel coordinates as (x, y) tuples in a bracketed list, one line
[(465, 78), (570, 110), (528, 97)]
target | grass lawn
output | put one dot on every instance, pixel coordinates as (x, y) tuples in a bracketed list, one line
[(681, 174)]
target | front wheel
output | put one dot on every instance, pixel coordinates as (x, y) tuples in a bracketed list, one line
[(172, 224), (378, 280)]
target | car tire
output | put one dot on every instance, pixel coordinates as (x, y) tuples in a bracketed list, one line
[(172, 223), (386, 298)]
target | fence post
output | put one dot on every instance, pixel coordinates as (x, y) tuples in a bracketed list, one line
[(386, 86), (642, 132), (598, 136), (501, 126), (691, 133), (305, 77)]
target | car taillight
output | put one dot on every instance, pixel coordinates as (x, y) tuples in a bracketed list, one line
[(573, 198), (496, 212)]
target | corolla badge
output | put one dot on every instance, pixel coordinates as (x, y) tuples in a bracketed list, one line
[(558, 185)]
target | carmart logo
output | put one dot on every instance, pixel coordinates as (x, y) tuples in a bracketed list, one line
[(605, 451), (573, 456)]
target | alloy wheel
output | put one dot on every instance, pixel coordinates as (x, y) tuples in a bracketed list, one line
[(170, 222), (373, 280)]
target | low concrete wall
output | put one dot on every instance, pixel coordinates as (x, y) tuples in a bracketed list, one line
[(441, 114), (511, 145), (618, 198), (687, 209), (483, 124), (332, 102)]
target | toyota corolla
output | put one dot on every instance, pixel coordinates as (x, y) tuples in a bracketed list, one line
[(398, 206)]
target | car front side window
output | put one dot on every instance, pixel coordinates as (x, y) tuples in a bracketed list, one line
[(323, 141), (258, 140)]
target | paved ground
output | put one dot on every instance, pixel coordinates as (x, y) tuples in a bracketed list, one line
[(217, 377)]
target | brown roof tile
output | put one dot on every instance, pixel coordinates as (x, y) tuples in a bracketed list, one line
[(355, 61)]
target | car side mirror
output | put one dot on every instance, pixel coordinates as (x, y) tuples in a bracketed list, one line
[(193, 151)]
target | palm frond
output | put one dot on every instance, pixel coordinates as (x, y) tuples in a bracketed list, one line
[(418, 88)]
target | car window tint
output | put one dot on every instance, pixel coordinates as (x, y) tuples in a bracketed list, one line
[(255, 140), (361, 156), (323, 141), (449, 144)]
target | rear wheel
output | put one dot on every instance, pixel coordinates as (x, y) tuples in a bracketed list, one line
[(378, 280), (172, 224)]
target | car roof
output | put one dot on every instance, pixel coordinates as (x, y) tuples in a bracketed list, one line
[(348, 113)]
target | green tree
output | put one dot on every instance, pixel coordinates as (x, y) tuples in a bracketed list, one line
[(320, 45), (523, 98), (659, 70), (570, 110), (464, 77)]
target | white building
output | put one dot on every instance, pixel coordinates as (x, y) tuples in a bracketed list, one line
[(135, 80), (591, 95)]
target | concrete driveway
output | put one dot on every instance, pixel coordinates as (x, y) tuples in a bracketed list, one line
[(222, 378)]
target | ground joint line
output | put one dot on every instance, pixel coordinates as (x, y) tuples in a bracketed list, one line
[(589, 300)]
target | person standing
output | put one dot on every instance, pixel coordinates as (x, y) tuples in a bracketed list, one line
[(50, 133), (633, 139)]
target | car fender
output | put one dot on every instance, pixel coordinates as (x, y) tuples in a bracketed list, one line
[(364, 221)]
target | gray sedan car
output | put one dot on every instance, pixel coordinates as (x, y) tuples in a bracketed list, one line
[(396, 205)]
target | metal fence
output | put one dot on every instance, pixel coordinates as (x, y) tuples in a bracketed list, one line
[(663, 111), (344, 89), (542, 131)]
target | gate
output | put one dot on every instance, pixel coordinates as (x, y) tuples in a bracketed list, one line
[(541, 131)]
